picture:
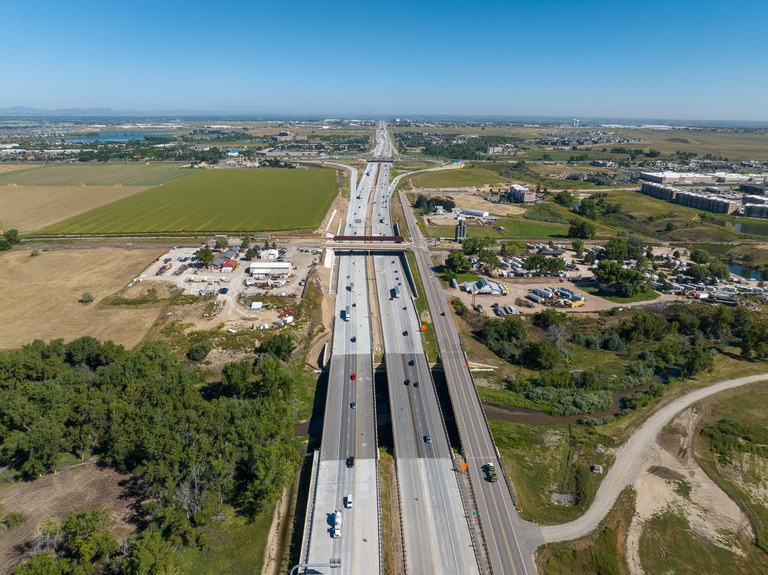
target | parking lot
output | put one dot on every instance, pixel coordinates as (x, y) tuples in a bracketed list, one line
[(234, 293)]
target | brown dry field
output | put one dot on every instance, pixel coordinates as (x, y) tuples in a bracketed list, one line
[(35, 207), (561, 169), (75, 489), (4, 168), (40, 295)]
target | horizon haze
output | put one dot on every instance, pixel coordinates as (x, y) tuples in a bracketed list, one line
[(687, 61)]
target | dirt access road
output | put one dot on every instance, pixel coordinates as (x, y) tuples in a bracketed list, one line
[(630, 460)]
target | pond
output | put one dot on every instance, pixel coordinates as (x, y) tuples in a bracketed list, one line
[(744, 272)]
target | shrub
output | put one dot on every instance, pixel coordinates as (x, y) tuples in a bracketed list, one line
[(540, 355), (199, 351), (613, 343), (86, 297)]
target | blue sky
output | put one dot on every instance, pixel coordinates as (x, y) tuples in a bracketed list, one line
[(686, 59)]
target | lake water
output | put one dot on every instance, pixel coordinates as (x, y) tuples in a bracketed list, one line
[(744, 272), (114, 136)]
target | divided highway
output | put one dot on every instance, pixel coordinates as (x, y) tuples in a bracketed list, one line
[(509, 540), (347, 477), (435, 530)]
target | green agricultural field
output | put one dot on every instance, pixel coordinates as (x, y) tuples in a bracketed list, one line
[(216, 200), (457, 178), (96, 174)]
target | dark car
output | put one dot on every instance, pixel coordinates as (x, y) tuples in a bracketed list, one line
[(410, 362), (415, 384), (427, 438), (350, 461), (407, 381), (405, 332)]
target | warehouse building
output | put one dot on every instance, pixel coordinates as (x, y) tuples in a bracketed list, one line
[(262, 269), (475, 213)]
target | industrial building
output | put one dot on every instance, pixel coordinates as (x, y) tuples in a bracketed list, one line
[(257, 269), (485, 287), (225, 259), (669, 177), (521, 194), (461, 230), (475, 213)]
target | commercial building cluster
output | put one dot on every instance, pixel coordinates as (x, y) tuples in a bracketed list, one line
[(710, 200)]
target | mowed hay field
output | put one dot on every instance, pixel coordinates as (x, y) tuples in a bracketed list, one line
[(265, 199), (457, 178), (30, 208), (95, 174), (40, 295)]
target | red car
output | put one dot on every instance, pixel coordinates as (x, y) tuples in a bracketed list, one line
[(354, 376)]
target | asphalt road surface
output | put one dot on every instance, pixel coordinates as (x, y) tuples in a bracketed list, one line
[(348, 454), (435, 530), (509, 540)]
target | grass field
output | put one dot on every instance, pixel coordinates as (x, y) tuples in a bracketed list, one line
[(35, 207), (602, 552), (40, 295), (642, 296), (5, 168), (744, 478), (73, 489), (236, 547), (217, 200), (668, 545), (457, 178), (92, 174), (543, 460), (514, 228)]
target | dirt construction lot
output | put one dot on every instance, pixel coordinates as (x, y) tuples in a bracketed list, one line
[(75, 489), (40, 295)]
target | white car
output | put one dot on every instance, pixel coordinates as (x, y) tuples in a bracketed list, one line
[(348, 501)]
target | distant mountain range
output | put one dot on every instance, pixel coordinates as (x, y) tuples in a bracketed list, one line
[(37, 112)]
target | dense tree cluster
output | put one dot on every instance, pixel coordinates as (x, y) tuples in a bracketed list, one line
[(143, 412), (672, 341), (427, 205), (581, 229), (625, 282), (596, 206), (8, 239), (545, 264)]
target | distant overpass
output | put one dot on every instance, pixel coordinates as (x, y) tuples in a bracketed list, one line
[(368, 244), (368, 247), (381, 160)]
